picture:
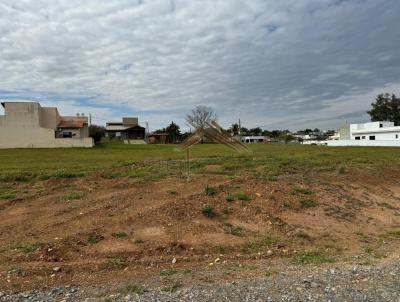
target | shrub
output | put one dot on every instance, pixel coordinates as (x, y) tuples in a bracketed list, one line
[(96, 132), (259, 244), (5, 196), (210, 191), (168, 272), (230, 198), (242, 196), (308, 203), (208, 211), (73, 196), (25, 247), (301, 190), (67, 174), (120, 235), (233, 230), (116, 263), (312, 257), (94, 237)]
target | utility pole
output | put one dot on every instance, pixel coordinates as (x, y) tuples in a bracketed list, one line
[(240, 131), (90, 119)]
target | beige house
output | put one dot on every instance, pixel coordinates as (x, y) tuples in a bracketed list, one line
[(29, 125)]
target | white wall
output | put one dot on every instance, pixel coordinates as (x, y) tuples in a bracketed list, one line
[(364, 143), (17, 137)]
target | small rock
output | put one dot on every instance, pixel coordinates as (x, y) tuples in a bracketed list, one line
[(174, 260), (216, 260), (270, 252), (57, 269)]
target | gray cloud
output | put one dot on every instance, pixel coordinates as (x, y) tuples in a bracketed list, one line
[(275, 64)]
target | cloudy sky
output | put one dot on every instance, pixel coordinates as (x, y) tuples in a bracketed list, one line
[(275, 64)]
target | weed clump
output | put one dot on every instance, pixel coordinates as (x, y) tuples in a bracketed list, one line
[(119, 235), (210, 191), (116, 263), (301, 190), (208, 211), (308, 203), (312, 257)]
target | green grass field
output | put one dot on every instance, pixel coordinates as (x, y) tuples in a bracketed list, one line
[(24, 164)]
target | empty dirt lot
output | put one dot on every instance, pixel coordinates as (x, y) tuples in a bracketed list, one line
[(141, 224)]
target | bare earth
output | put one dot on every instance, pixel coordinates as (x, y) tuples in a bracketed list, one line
[(123, 237)]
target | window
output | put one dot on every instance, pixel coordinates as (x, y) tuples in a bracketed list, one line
[(357, 138), (67, 134), (380, 125), (372, 137), (363, 137), (397, 136)]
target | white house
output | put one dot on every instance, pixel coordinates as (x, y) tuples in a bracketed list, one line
[(369, 134)]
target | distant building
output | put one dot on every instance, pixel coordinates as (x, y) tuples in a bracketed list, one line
[(29, 125), (254, 139), (160, 138), (128, 129), (369, 134)]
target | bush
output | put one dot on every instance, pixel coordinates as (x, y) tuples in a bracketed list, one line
[(301, 190), (119, 235), (230, 198), (308, 203), (116, 263), (312, 257), (208, 211), (210, 191), (96, 132)]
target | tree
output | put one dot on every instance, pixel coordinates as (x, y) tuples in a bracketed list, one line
[(173, 131), (385, 108), (97, 132), (287, 137), (234, 129), (256, 131), (201, 116)]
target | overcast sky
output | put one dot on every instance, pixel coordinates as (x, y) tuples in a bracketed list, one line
[(274, 64)]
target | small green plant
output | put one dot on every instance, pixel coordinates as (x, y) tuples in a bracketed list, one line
[(368, 249), (233, 230), (132, 288), (94, 237), (312, 257), (6, 196), (230, 198), (259, 244), (210, 191), (73, 196), (302, 190), (25, 247), (208, 211), (242, 196), (116, 263), (342, 170), (308, 203), (172, 192), (138, 241), (67, 174), (168, 273), (119, 235)]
